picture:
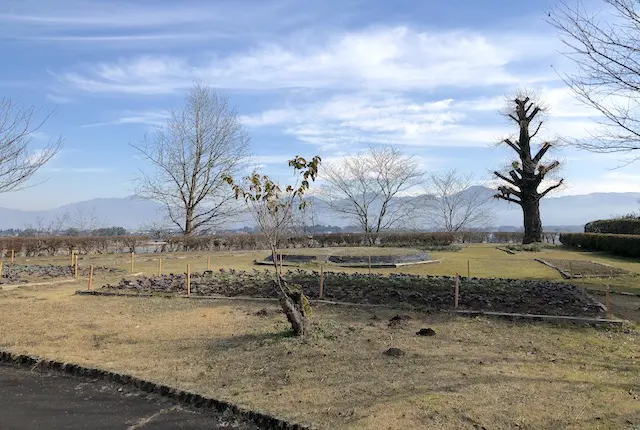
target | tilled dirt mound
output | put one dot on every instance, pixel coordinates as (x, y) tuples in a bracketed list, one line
[(422, 293), (14, 274)]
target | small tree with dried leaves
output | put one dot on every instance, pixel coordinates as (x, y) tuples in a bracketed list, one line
[(273, 209), (528, 171)]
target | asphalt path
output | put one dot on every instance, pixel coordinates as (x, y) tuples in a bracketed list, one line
[(32, 400)]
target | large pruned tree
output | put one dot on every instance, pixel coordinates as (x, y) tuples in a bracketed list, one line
[(603, 45), (367, 188), (528, 171), (19, 161), (274, 208), (190, 156)]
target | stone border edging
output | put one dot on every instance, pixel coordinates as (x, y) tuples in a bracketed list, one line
[(559, 318), (38, 284), (184, 398)]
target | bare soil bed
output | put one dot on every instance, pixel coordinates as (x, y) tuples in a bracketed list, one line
[(16, 274), (582, 268), (405, 291), (350, 257)]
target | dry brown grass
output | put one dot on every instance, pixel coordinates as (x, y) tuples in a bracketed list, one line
[(494, 373)]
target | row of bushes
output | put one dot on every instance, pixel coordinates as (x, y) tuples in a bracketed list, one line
[(56, 245), (619, 244), (614, 226)]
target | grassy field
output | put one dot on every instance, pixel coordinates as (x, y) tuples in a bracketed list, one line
[(480, 372), (489, 373), (480, 260)]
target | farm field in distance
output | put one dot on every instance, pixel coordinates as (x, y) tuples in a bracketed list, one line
[(473, 372)]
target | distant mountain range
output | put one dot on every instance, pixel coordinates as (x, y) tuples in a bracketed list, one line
[(567, 212)]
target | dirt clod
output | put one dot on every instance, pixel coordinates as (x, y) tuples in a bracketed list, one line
[(394, 352), (426, 332)]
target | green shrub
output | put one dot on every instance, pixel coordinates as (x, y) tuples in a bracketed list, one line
[(614, 226), (619, 244)]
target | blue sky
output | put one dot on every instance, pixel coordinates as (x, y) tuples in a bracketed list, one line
[(307, 77)]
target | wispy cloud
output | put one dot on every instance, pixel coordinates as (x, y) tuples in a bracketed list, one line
[(78, 169), (381, 58), (154, 118)]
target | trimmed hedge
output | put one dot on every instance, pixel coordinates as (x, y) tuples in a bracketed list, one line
[(614, 226), (619, 244)]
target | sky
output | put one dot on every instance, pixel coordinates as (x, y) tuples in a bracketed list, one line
[(307, 77)]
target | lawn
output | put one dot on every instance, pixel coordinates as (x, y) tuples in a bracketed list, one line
[(479, 371), (474, 372)]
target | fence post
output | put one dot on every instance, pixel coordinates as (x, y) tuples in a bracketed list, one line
[(75, 266), (570, 270), (12, 255), (468, 270), (132, 260), (188, 280), (73, 253), (1, 268), (208, 262), (160, 266), (457, 290), (90, 276), (321, 295), (608, 303)]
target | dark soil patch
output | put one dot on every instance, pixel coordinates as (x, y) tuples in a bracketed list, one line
[(377, 260), (582, 268), (400, 291), (426, 332), (14, 274)]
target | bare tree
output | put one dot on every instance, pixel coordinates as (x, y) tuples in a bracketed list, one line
[(200, 145), (18, 162), (454, 205), (273, 208), (528, 171), (604, 47), (368, 188)]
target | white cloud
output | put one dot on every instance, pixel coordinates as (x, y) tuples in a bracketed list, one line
[(380, 58), (154, 118)]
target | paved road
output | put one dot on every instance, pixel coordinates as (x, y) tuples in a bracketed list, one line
[(34, 400)]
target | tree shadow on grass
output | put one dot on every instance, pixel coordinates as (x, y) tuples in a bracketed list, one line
[(246, 339)]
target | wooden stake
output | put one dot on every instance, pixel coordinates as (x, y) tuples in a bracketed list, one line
[(90, 276), (321, 295), (132, 260), (208, 262), (159, 266), (608, 303), (369, 265), (1, 269), (73, 253), (457, 290), (12, 255), (468, 270), (75, 266), (188, 280)]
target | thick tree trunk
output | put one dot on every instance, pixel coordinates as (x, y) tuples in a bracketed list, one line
[(292, 300), (188, 223), (532, 222)]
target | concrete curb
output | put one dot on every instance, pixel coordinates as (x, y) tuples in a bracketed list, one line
[(554, 318), (184, 398)]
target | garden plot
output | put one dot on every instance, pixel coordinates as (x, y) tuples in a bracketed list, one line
[(353, 257), (404, 291), (17, 274), (582, 268)]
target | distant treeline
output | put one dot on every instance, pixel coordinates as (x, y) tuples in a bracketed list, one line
[(57, 245)]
